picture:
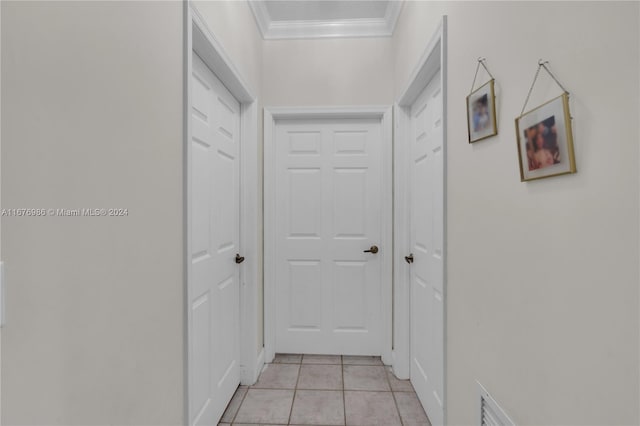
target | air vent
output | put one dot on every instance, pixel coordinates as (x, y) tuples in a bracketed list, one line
[(490, 412)]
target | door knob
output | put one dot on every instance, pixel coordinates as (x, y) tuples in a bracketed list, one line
[(239, 259), (409, 258), (373, 249)]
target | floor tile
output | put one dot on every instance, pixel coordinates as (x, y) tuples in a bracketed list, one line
[(271, 406), (314, 376), (361, 360), (397, 384), (368, 378), (278, 376), (411, 410), (233, 406), (287, 359), (371, 408), (256, 424), (318, 408), (322, 359)]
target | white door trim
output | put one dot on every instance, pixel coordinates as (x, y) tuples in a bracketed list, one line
[(433, 59), (384, 113), (199, 38)]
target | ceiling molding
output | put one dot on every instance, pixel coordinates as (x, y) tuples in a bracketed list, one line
[(260, 12), (365, 27), (393, 13)]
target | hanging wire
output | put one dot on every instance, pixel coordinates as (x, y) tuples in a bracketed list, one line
[(541, 64), (481, 61)]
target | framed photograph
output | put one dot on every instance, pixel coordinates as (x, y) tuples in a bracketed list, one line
[(545, 140), (481, 113)]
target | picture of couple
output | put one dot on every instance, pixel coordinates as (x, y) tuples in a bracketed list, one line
[(542, 144), (545, 140)]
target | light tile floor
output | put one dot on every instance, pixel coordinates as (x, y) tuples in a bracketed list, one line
[(326, 390)]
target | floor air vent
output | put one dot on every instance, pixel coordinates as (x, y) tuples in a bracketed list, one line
[(490, 412)]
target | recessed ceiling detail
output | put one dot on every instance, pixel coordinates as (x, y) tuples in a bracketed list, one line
[(291, 19)]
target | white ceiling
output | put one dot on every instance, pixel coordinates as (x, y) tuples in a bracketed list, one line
[(278, 19), (314, 10)]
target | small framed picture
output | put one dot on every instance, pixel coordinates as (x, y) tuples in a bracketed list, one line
[(481, 113), (545, 140)]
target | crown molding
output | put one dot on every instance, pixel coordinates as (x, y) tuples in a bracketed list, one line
[(394, 7), (261, 14), (278, 30)]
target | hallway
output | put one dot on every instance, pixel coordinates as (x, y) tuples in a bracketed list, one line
[(326, 390), (229, 147)]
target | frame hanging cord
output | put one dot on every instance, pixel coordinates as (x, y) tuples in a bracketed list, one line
[(541, 64), (481, 61)]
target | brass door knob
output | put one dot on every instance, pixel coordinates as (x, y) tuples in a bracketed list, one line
[(373, 249)]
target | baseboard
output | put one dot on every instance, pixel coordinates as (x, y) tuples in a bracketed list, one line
[(249, 376), (400, 370), (259, 364)]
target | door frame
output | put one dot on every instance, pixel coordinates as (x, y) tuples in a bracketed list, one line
[(200, 39), (273, 114), (433, 59)]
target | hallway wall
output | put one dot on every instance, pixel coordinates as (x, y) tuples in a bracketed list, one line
[(233, 25), (542, 276), (321, 72), (92, 118), (0, 202)]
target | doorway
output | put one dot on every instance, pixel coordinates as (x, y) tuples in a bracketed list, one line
[(214, 242), (426, 258), (328, 238), (420, 230), (220, 225)]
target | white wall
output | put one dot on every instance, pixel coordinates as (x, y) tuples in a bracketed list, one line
[(320, 72), (92, 117), (327, 72), (234, 27), (543, 276), (0, 199)]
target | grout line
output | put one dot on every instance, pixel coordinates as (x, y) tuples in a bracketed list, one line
[(314, 389), (233, 419), (344, 398), (395, 401), (315, 364), (295, 391)]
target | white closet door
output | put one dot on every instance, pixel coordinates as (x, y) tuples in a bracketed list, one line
[(214, 241), (426, 225)]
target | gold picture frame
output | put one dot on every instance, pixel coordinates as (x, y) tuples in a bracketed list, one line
[(481, 113), (545, 140)]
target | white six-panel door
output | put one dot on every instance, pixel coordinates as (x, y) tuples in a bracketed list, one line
[(426, 227), (214, 239), (328, 194)]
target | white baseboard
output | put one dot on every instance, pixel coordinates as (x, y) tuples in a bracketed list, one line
[(250, 376), (259, 365)]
